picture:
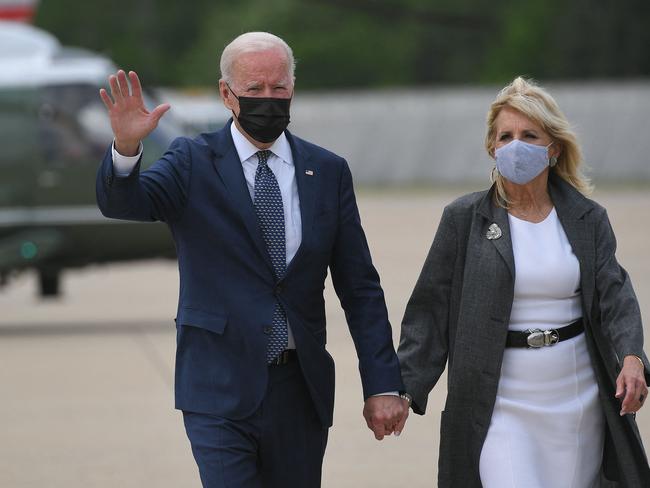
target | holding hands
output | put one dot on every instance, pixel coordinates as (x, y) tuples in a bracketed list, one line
[(130, 120), (386, 414)]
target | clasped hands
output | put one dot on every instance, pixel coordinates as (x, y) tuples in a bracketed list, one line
[(385, 415)]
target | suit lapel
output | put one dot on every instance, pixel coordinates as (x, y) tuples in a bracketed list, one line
[(306, 179), (229, 168), (499, 216)]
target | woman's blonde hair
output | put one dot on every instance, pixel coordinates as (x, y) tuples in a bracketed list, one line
[(525, 96)]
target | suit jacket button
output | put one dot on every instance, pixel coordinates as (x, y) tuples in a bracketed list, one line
[(267, 329), (109, 180)]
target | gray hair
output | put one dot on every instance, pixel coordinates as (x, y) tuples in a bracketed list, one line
[(253, 42)]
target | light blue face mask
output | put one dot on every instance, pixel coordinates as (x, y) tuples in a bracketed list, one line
[(520, 161)]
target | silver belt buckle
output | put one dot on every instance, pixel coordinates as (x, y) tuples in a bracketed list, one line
[(539, 338)]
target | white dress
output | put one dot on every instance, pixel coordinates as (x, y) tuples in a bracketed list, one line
[(547, 428)]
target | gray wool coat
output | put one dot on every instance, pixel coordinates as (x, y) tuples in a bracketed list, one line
[(459, 313)]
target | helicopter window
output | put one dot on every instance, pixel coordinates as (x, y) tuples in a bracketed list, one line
[(74, 127), (18, 128), (62, 113)]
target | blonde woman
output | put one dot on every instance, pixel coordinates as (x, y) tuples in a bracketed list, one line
[(522, 295)]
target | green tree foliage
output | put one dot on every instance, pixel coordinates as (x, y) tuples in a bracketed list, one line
[(147, 35), (332, 47), (368, 43), (577, 39)]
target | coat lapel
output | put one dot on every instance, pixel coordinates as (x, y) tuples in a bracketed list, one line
[(499, 216), (229, 168), (307, 177), (571, 207)]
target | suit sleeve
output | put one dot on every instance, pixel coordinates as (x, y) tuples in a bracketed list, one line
[(619, 308), (159, 193), (424, 340), (357, 285)]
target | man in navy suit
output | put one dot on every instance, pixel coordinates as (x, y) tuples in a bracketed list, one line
[(257, 215)]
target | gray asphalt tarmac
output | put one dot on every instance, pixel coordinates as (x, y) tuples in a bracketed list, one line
[(86, 381)]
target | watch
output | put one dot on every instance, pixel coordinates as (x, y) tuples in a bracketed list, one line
[(406, 397)]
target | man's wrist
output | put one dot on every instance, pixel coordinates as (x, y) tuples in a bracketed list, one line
[(127, 149), (407, 397), (123, 165)]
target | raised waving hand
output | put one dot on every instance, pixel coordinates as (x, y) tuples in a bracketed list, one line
[(130, 120)]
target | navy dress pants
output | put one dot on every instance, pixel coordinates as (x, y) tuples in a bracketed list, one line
[(281, 445)]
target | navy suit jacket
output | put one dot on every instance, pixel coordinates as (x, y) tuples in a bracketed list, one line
[(228, 289)]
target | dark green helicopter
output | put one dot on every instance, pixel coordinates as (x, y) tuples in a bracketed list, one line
[(53, 132)]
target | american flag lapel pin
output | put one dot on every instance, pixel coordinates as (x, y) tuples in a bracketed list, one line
[(309, 172)]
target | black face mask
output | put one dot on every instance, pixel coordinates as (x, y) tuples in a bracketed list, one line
[(264, 119)]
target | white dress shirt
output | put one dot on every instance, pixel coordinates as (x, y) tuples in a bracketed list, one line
[(281, 163)]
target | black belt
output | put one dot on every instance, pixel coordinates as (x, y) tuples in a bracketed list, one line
[(285, 357), (536, 338)]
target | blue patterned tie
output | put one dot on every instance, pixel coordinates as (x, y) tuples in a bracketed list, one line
[(270, 215)]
